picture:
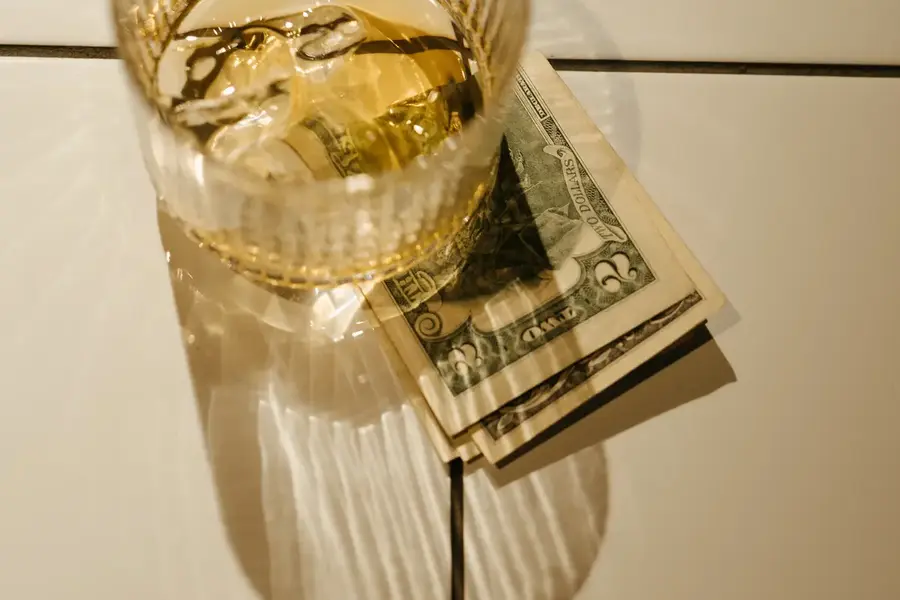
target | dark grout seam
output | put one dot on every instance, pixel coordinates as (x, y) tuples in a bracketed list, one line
[(726, 68), (457, 546), (564, 64), (28, 51)]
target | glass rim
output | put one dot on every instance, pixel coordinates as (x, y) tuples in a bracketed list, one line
[(494, 110)]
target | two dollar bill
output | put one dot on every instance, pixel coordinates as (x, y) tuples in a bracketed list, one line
[(575, 279)]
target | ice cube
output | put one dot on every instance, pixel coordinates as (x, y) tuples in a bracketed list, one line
[(256, 142), (323, 32), (229, 77), (245, 91)]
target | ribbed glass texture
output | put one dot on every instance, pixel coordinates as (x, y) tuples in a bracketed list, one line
[(332, 231)]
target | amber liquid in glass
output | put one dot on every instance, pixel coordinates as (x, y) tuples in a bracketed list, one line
[(320, 92)]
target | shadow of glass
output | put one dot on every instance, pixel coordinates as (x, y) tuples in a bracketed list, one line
[(536, 537), (327, 486), (230, 423)]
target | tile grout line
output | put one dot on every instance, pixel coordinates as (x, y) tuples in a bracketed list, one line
[(457, 532), (563, 64), (726, 67), (44, 51)]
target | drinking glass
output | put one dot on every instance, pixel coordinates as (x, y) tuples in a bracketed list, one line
[(365, 203)]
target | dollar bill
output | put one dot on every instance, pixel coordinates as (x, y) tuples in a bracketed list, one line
[(505, 431), (566, 264)]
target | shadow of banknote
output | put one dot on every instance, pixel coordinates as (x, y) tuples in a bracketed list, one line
[(690, 370)]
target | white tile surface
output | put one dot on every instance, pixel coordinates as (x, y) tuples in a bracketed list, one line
[(56, 22), (744, 30), (762, 30), (784, 484), (115, 481)]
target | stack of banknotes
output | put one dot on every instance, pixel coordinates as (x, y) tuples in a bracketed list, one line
[(567, 280)]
